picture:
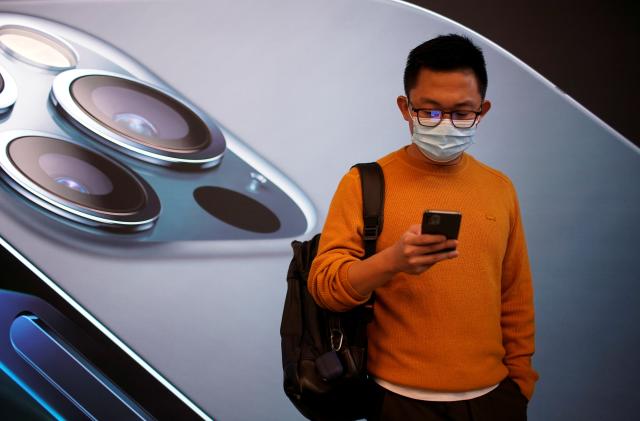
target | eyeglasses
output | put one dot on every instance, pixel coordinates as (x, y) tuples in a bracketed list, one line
[(462, 119)]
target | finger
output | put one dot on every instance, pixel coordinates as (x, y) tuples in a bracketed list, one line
[(427, 239), (415, 229), (449, 244), (432, 259)]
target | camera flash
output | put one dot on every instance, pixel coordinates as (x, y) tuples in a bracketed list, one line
[(37, 48)]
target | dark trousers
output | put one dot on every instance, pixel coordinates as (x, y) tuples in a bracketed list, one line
[(504, 403)]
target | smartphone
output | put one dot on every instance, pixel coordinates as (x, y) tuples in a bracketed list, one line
[(441, 222)]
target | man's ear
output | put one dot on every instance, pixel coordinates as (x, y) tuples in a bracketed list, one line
[(403, 105), (486, 106)]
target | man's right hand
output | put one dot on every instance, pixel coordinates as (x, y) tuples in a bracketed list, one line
[(415, 252), (409, 254)]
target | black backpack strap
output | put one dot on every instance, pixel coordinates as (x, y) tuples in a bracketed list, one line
[(372, 180)]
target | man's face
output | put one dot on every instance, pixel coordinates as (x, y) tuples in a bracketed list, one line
[(445, 91)]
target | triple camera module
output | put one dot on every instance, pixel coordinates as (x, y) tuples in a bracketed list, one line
[(90, 135)]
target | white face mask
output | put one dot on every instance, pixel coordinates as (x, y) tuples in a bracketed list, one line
[(444, 142)]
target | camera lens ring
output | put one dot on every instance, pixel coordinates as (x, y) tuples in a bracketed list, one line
[(123, 201), (197, 154), (56, 46), (8, 91)]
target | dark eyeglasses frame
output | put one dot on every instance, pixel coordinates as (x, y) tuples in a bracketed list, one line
[(443, 113)]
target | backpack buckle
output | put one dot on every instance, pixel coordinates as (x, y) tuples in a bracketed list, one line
[(339, 336), (371, 228)]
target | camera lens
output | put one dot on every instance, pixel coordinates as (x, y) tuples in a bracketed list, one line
[(78, 182), (75, 173), (141, 113), (57, 166), (137, 118), (37, 48)]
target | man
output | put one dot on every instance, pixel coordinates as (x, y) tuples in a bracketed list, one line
[(453, 331)]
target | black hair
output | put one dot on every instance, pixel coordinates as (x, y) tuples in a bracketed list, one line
[(446, 53)]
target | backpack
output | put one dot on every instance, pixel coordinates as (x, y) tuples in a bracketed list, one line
[(324, 353)]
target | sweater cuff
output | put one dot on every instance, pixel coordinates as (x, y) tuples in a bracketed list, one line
[(355, 296), (525, 379)]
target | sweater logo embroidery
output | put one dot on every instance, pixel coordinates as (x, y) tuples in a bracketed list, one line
[(490, 217)]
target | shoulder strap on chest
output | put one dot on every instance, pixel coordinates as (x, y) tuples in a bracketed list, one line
[(372, 180)]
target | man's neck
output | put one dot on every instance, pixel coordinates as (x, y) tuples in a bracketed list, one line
[(415, 152)]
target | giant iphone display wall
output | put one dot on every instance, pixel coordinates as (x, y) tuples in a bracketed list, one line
[(158, 157)]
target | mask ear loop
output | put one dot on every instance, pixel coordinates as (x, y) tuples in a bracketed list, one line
[(480, 116), (410, 109)]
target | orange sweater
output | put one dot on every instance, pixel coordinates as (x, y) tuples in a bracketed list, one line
[(464, 323)]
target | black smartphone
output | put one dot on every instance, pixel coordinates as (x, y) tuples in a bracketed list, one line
[(445, 223)]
